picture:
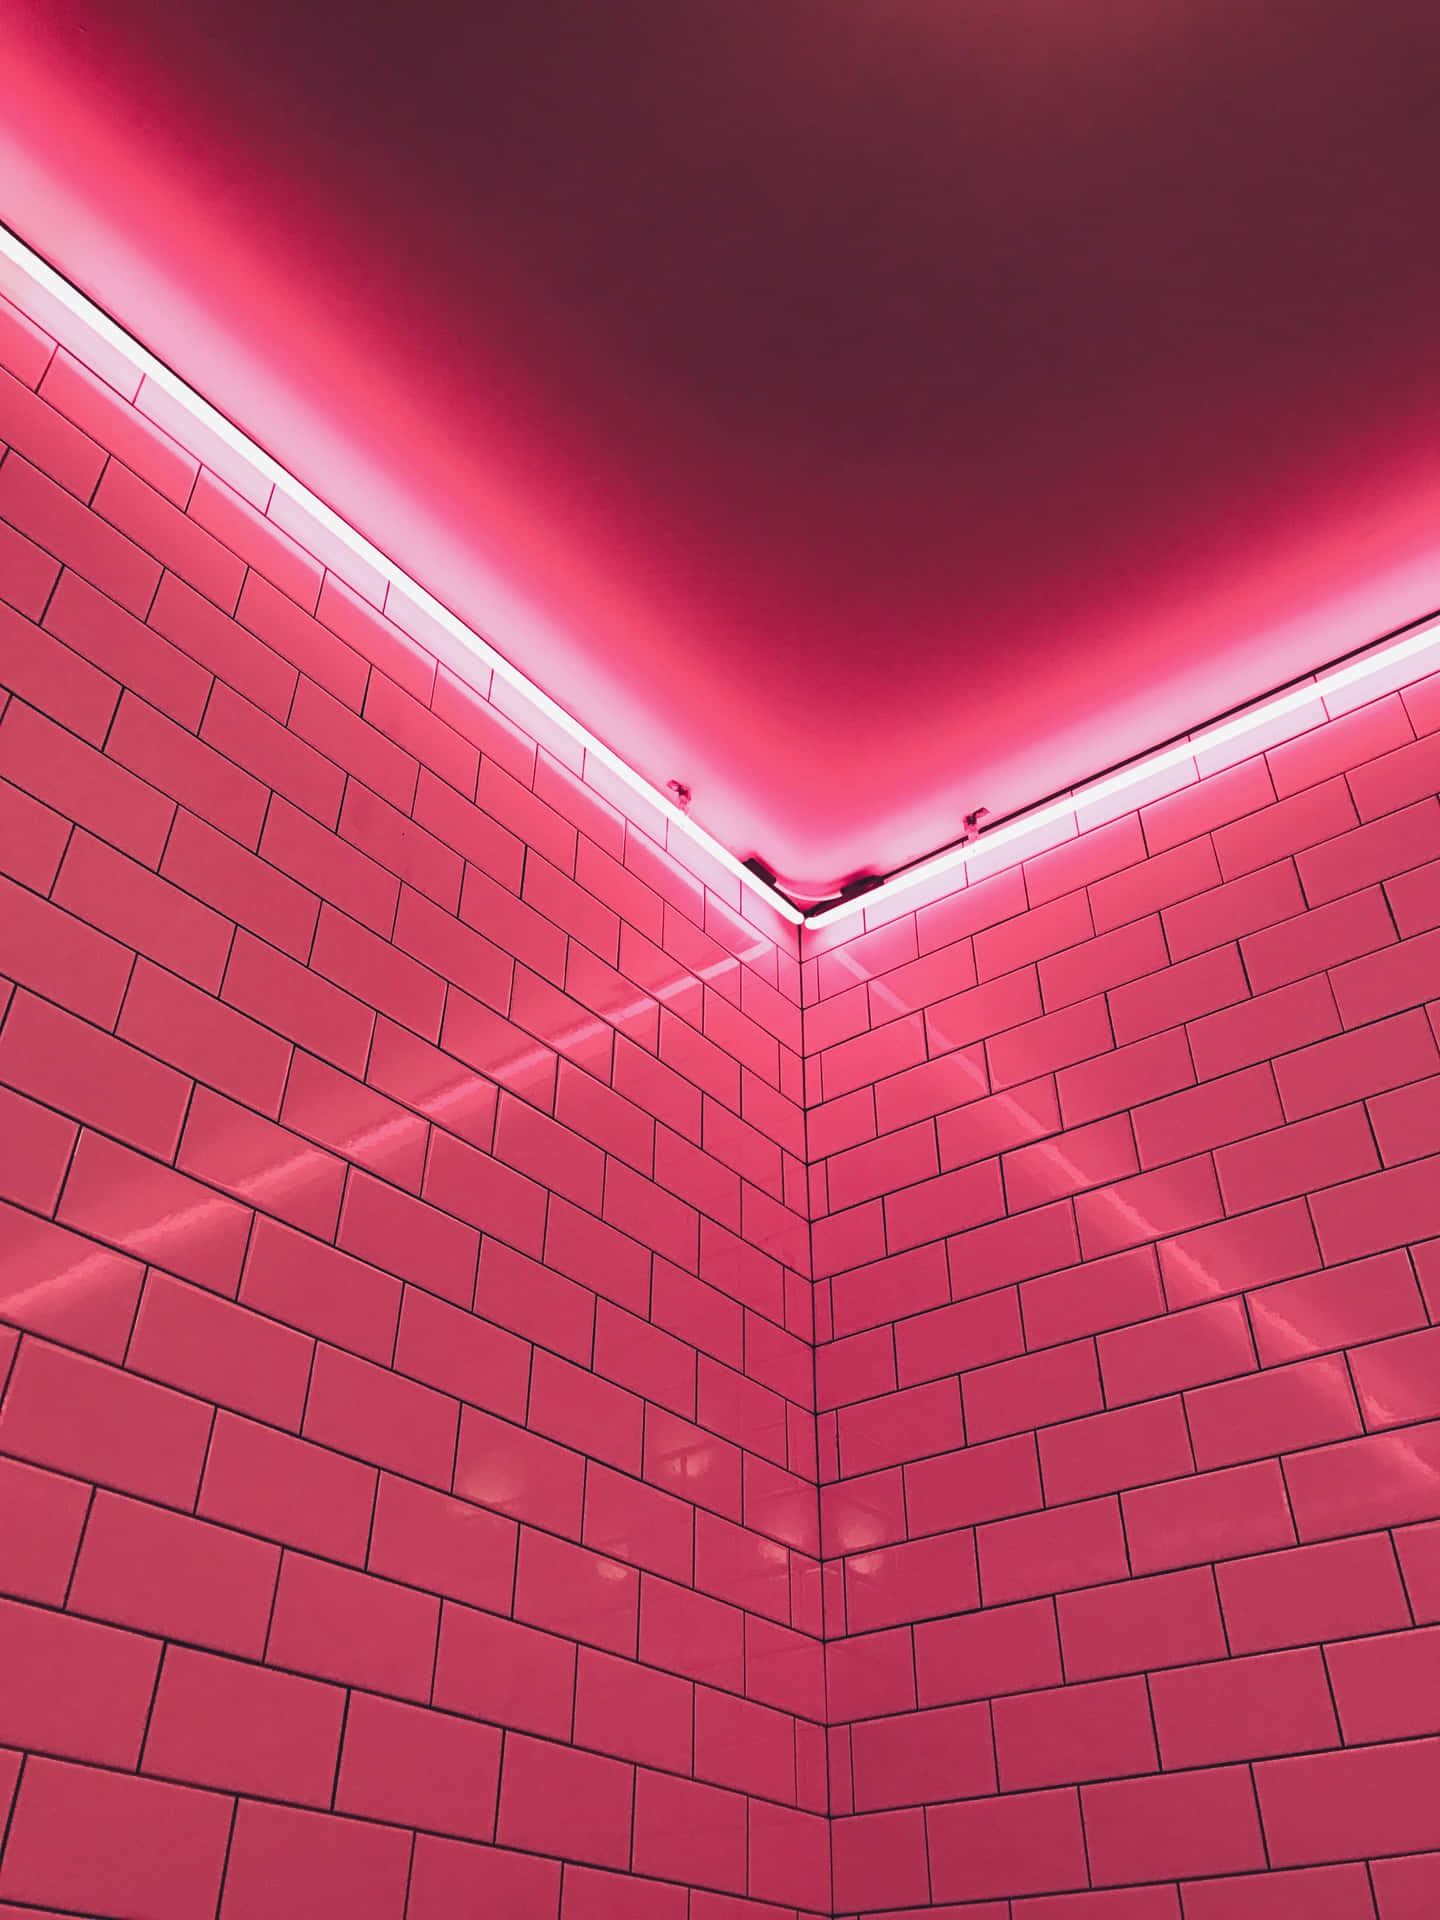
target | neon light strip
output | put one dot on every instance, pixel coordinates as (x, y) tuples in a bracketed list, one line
[(216, 423), (957, 858)]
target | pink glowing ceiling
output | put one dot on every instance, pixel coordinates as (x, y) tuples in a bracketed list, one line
[(862, 410)]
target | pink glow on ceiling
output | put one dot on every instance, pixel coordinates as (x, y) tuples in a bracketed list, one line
[(860, 428)]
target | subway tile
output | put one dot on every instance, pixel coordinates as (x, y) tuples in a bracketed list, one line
[(1176, 873), (27, 574), (326, 865), (1385, 982), (1275, 1243), (1339, 744), (498, 1670), (944, 1753), (482, 842), (407, 1766), (1076, 1733), (287, 1490), (337, 1624), (1349, 1304), (139, 909), (1369, 1800), (58, 686), (688, 1831), (158, 527), (411, 1239), (1005, 1251), (1151, 1206), (169, 757), (236, 1727), (188, 1338), (1211, 1516), (1388, 1687), (1188, 990), (641, 1525), (1296, 1159), (1315, 941), (321, 1290), (880, 1856), (691, 1634), (1018, 1843), (1092, 1297), (563, 1802), (352, 1121), (56, 1283), (150, 1846), (278, 1855), (1125, 1077), (257, 540), (267, 1167), (1045, 1553), (1243, 1709), (958, 1338), (337, 731), (74, 1688), (1237, 1106), (203, 1038), (78, 1416), (1017, 1395), (1135, 1625), (423, 1538), (289, 999), (301, 640), (85, 1073), (741, 1567), (239, 886), (913, 1580), (44, 1515), (1396, 1380), (36, 506), (1207, 803), (977, 1483), (246, 667), (1405, 1121), (1381, 848), (33, 839), (633, 1712), (1305, 819), (64, 773), (376, 1415), (155, 1213), (511, 1471), (1229, 912), (1107, 1452), (1272, 1412), (904, 1426), (1200, 1821), (1377, 1211)]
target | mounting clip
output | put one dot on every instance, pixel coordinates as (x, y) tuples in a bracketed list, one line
[(972, 825), (681, 793)]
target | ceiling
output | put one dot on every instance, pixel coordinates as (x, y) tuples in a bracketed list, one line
[(861, 410)]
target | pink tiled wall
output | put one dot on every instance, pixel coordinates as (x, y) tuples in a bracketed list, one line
[(412, 1173), (407, 1447), (1126, 1166)]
